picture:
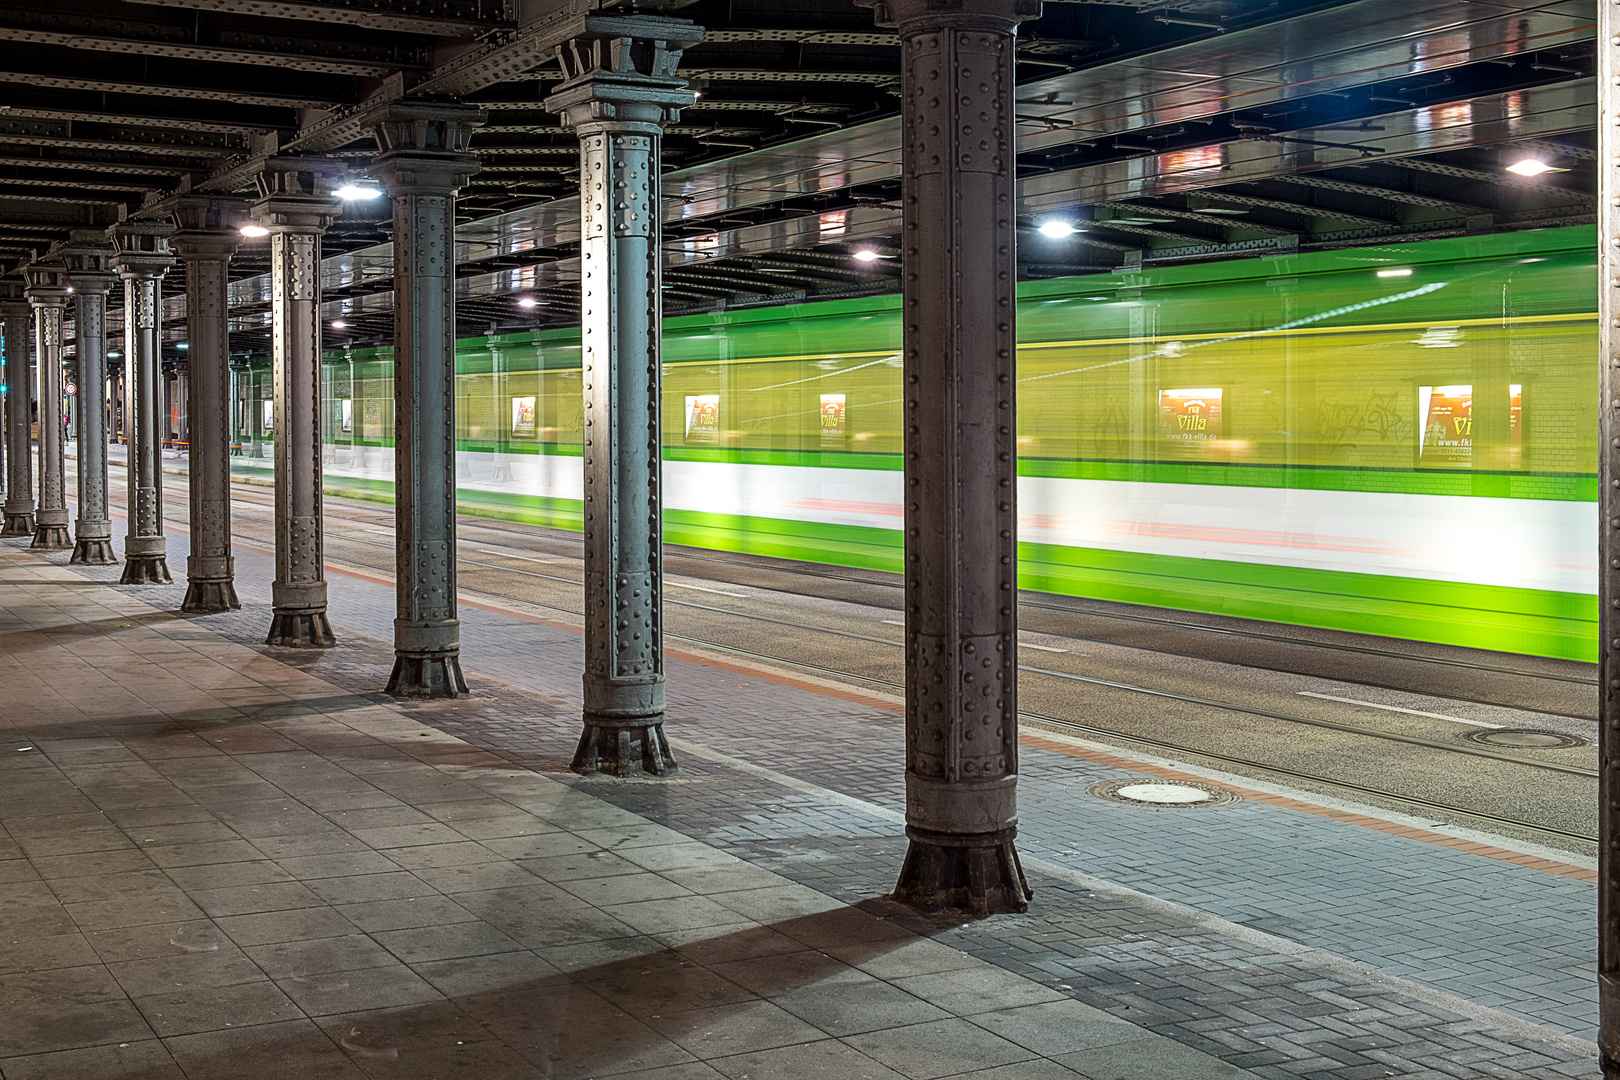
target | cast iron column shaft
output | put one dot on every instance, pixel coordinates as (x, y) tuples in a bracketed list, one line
[(48, 293), (142, 260), (1608, 539), (618, 91), (961, 555), (296, 210), (19, 509), (87, 261), (206, 237), (422, 164)]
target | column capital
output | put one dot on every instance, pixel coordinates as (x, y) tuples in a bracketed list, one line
[(13, 304), (912, 16), (620, 72), (141, 248), (424, 147), (295, 193), (207, 228), (47, 285), (88, 258)]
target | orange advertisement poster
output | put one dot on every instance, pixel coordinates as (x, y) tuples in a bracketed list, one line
[(1447, 416), (1190, 415), (832, 418)]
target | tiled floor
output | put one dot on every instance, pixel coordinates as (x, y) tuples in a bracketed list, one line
[(1280, 939), (217, 865)]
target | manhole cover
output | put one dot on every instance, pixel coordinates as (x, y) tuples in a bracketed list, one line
[(1170, 793), (1526, 738)]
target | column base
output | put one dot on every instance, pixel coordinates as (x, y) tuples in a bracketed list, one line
[(51, 537), (146, 570), (635, 749), (93, 551), (209, 597), (301, 630), (977, 874), (18, 524), (436, 676)]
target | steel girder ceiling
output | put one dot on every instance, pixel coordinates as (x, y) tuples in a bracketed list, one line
[(1191, 129)]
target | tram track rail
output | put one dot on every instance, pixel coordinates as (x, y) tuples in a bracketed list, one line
[(1181, 625), (1186, 699), (1416, 805), (1161, 746), (533, 534)]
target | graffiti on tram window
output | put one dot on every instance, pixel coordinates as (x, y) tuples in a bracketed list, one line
[(1190, 415), (832, 418), (1447, 415), (702, 417), (523, 421), (1346, 423)]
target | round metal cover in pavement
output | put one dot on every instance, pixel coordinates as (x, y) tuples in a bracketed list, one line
[(1526, 738), (1172, 794)]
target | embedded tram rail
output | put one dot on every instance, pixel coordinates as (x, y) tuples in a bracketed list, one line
[(1294, 725)]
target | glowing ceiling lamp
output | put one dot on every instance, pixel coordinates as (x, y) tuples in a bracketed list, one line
[(1057, 229), (1533, 167), (255, 230)]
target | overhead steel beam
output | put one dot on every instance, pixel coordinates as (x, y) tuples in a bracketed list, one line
[(449, 18), (1541, 111), (239, 90), (1376, 191), (1309, 210), (1332, 49), (75, 28)]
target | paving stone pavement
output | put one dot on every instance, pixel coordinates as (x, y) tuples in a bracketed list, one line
[(216, 865), (811, 795)]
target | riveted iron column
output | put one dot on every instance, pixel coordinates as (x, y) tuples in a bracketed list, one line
[(295, 207), (424, 161), (961, 554), (47, 294), (618, 91), (206, 236), (19, 508), (88, 261), (1608, 158), (142, 258)]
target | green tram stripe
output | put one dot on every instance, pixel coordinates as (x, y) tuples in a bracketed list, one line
[(1477, 483), (1537, 622)]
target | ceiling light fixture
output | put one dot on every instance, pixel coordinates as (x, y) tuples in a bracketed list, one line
[(339, 324), (255, 230), (867, 255), (1057, 229), (351, 192), (527, 301), (1533, 167)]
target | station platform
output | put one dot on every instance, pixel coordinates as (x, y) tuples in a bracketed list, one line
[(218, 856)]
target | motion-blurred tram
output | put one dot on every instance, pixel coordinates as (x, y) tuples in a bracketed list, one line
[(1399, 440)]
